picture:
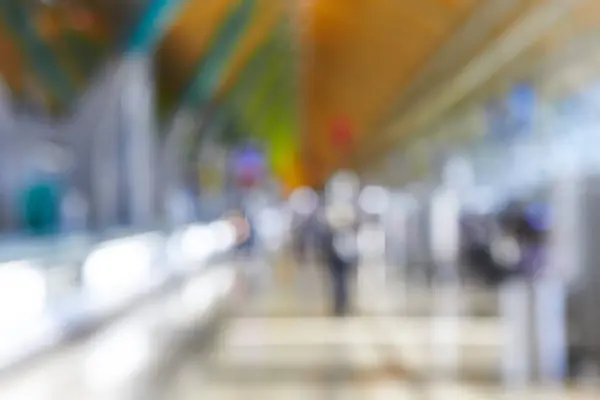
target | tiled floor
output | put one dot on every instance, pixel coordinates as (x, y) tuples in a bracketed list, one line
[(284, 346), (281, 345)]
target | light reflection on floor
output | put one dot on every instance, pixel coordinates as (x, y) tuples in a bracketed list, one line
[(282, 346)]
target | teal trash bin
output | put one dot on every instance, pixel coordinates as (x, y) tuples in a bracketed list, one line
[(41, 210)]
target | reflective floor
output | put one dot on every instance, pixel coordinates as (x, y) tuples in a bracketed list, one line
[(278, 342)]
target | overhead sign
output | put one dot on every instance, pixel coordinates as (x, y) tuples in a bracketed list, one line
[(513, 115), (521, 107), (341, 133), (249, 166)]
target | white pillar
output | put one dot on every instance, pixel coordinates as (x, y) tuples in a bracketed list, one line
[(138, 128), (516, 309), (444, 242), (104, 158)]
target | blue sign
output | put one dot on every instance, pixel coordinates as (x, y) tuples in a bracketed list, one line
[(513, 115), (249, 161), (521, 107)]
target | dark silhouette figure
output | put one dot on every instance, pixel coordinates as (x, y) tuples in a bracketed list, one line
[(340, 266)]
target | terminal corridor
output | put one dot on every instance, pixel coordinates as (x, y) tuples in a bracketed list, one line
[(276, 340), (300, 199)]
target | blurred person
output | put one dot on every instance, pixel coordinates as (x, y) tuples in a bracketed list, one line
[(248, 245), (339, 237), (535, 298), (253, 204), (305, 239), (527, 223), (257, 272), (272, 224), (74, 211), (241, 225), (299, 239), (303, 203), (533, 231), (338, 243), (488, 251)]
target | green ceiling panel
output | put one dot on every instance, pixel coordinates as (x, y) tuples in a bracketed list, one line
[(263, 101)]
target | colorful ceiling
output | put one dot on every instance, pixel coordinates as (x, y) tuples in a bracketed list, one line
[(232, 54), (240, 62), (310, 80), (333, 63)]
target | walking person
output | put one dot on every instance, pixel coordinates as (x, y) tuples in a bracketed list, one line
[(338, 241), (339, 238)]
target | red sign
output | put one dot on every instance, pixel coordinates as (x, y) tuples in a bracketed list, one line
[(342, 134), (248, 179)]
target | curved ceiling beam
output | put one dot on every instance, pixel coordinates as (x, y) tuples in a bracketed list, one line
[(187, 42), (78, 35), (188, 53), (460, 47), (12, 65), (153, 24), (40, 59), (206, 80), (268, 15), (210, 71)]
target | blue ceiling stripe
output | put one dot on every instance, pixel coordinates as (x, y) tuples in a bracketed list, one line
[(153, 24)]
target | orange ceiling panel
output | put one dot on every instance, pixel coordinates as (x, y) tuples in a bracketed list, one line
[(187, 41), (359, 54), (561, 60)]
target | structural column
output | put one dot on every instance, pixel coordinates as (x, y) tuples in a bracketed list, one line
[(138, 130), (104, 153)]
